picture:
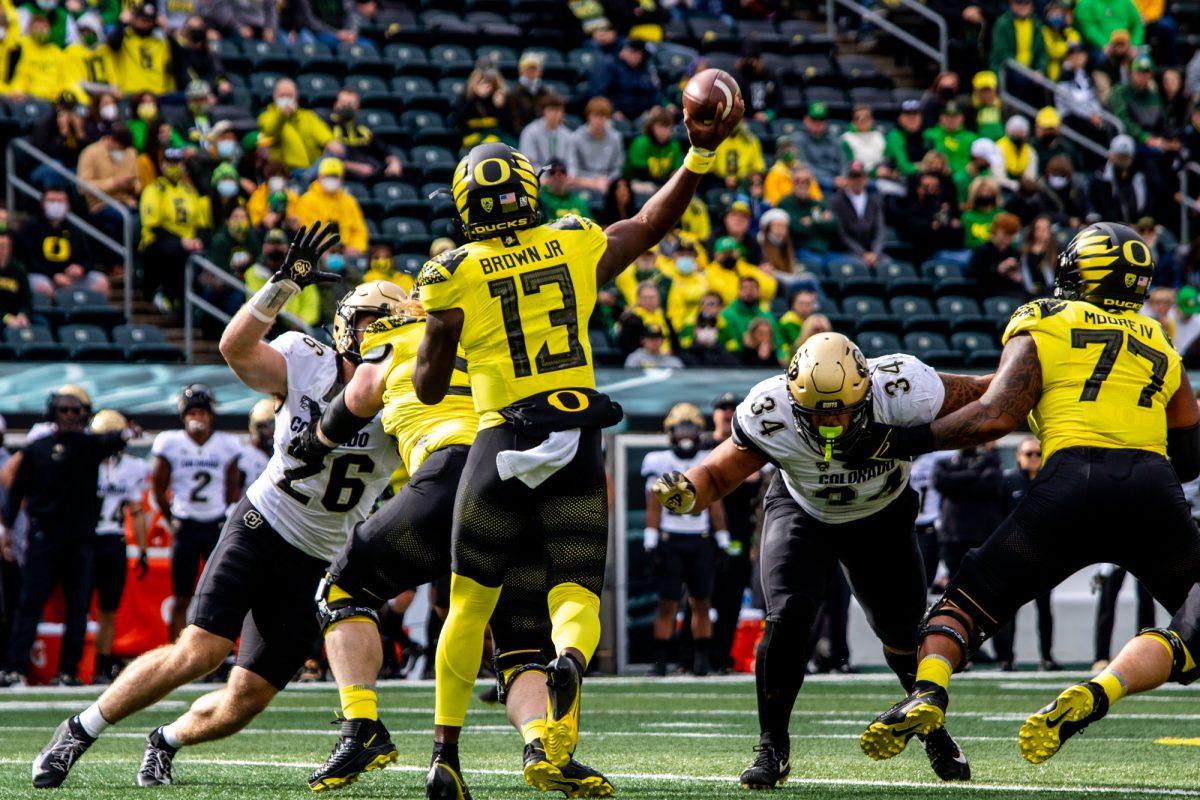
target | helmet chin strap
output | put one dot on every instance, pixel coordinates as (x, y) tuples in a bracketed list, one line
[(829, 434)]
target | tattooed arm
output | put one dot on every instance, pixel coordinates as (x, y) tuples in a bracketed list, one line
[(960, 390), (1011, 394)]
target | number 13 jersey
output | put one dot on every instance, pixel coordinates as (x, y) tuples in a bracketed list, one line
[(526, 298), (905, 392), (1106, 376), (315, 509)]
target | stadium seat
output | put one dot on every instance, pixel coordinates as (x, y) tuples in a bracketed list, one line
[(870, 313), (35, 343), (410, 59), (862, 71), (262, 86), (932, 348), (444, 226), (409, 263), (916, 313), (406, 233), (429, 128), (80, 306), (453, 88), (902, 278), (586, 59), (145, 343), (89, 343), (853, 276), (382, 123), (451, 59), (947, 277), (316, 57), (962, 313), (270, 56), (417, 91), (400, 199), (318, 89), (433, 162), (977, 349), (43, 307), (362, 57), (371, 88), (877, 343), (718, 201), (7, 352), (505, 58), (1000, 310)]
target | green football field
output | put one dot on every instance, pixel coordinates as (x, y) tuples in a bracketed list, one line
[(657, 740)]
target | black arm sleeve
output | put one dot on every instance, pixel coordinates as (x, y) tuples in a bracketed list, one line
[(18, 490), (1183, 447), (339, 423)]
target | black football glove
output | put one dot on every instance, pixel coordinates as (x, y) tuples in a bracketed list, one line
[(880, 442), (308, 447), (308, 245)]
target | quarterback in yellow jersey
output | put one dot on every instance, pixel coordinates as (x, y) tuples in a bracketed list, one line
[(516, 299), (407, 543), (1103, 390)]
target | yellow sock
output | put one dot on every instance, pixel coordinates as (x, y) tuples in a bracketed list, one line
[(935, 669), (575, 617), (359, 701), (460, 648), (533, 729), (1112, 685)]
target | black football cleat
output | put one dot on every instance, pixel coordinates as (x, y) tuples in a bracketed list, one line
[(69, 742), (946, 757), (919, 714), (770, 768), (1044, 733), (444, 782), (364, 745), (573, 780), (157, 761), (564, 682)]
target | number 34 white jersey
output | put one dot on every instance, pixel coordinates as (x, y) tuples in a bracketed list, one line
[(905, 392), (198, 472), (315, 509)]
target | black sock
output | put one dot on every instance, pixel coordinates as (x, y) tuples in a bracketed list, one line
[(660, 651), (779, 674), (447, 752), (905, 667), (701, 664)]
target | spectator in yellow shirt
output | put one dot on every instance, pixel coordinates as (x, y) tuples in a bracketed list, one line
[(142, 52), (175, 218), (739, 157), (40, 69), (728, 267), (328, 200), (778, 182), (273, 203), (381, 266), (90, 60), (689, 284), (298, 136)]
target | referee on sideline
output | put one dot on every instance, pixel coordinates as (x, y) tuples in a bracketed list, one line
[(57, 478)]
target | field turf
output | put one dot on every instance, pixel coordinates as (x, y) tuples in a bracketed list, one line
[(657, 740)]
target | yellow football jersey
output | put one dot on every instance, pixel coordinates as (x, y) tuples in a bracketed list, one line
[(526, 298), (418, 429), (1106, 377)]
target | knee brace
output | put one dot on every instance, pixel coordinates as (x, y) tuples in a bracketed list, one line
[(1183, 667), (513, 664), (335, 605), (943, 608)]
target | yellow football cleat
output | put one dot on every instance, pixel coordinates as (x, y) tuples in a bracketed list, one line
[(1044, 733), (564, 681), (919, 714)]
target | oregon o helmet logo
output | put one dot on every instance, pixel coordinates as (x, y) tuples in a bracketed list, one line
[(487, 175), (568, 400), (1136, 252)]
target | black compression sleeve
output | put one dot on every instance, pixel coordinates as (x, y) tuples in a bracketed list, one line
[(339, 423), (1183, 447)]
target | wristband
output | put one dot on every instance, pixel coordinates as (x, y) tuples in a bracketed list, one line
[(650, 538), (268, 301), (698, 160), (722, 538)]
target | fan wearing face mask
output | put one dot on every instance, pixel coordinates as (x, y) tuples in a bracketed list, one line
[(111, 166), (226, 193), (39, 70), (273, 203), (90, 59), (54, 251), (328, 200), (143, 54), (682, 548), (175, 220)]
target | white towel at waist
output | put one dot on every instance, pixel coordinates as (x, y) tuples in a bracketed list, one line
[(534, 467)]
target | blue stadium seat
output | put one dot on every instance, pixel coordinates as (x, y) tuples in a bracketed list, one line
[(44, 308), (853, 276), (418, 91), (316, 57), (932, 348), (603, 350), (406, 233), (80, 306), (271, 56), (452, 59), (372, 88), (1000, 309), (400, 199), (870, 313), (262, 86), (89, 343), (948, 277), (434, 161), (902, 278), (916, 313), (963, 313), (877, 343), (362, 57), (409, 263), (145, 343), (35, 343), (318, 89), (505, 58), (977, 349), (409, 59)]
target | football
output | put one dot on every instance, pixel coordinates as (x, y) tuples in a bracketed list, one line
[(706, 91)]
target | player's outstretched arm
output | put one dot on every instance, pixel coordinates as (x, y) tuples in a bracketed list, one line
[(722, 471), (629, 238), (1183, 431), (960, 390), (257, 364), (435, 357), (1012, 393)]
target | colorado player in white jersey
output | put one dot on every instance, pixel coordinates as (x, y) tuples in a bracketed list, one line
[(123, 483), (821, 512), (261, 580), (258, 450), (198, 465), (682, 547)]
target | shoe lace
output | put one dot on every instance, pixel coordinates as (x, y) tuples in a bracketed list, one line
[(343, 750), (157, 763), (67, 752), (767, 758)]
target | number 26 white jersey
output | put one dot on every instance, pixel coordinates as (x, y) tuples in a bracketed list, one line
[(315, 509), (905, 392)]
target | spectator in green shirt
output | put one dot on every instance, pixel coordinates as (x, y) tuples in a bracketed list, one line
[(985, 113), (811, 223), (1097, 19), (1017, 34), (654, 155), (983, 204), (745, 308), (1139, 106), (905, 143), (556, 198), (949, 137)]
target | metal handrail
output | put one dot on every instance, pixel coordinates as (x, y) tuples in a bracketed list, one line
[(1010, 99), (940, 55), (1058, 91), (1187, 202), (193, 300), (17, 183)]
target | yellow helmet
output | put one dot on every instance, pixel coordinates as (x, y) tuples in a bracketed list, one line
[(378, 297), (262, 413), (829, 375), (495, 190), (77, 392), (107, 421)]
